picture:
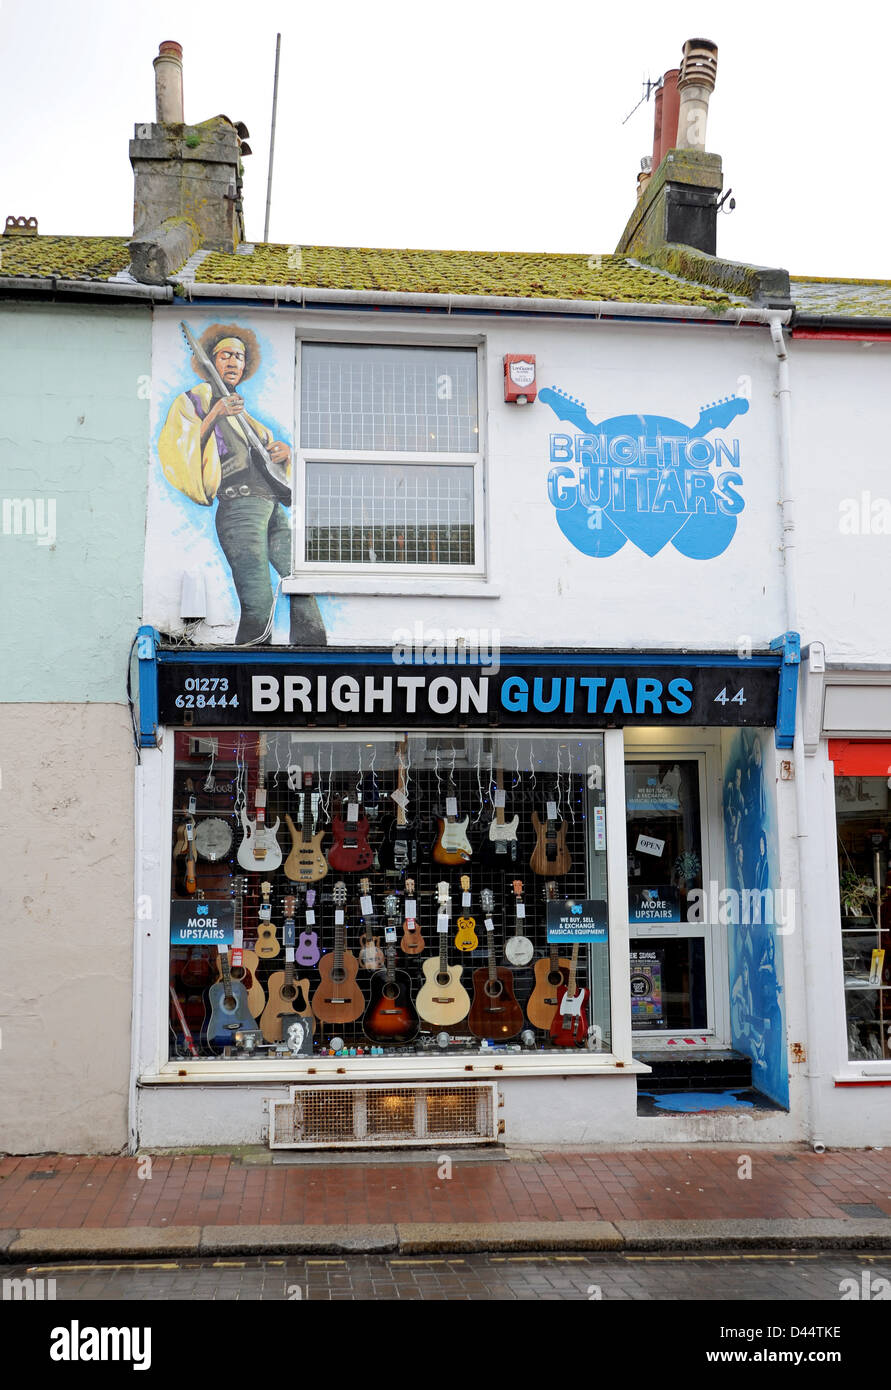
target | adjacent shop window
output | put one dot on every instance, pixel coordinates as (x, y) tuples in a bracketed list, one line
[(863, 820), (366, 896), (390, 455), (668, 954)]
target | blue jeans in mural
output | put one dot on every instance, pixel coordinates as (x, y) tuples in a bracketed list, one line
[(254, 533)]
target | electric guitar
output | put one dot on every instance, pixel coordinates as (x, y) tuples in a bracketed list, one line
[(306, 863), (338, 998), (259, 851), (550, 974), (500, 846), (465, 937), (399, 846), (391, 1017), (307, 952), (350, 852), (267, 941), (412, 942), (371, 957), (494, 1012), (442, 999), (569, 1026), (451, 845), (286, 995), (184, 1038), (246, 972), (518, 949), (550, 858)]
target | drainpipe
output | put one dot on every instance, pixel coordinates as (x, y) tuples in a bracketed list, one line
[(790, 574)]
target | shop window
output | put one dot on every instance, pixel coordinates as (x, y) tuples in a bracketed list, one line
[(389, 460), (863, 819), (380, 895)]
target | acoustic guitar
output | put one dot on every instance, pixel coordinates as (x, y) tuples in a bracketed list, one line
[(350, 852), (229, 1009), (287, 995), (550, 857), (371, 957), (391, 1018), (398, 850), (307, 952), (338, 999), (569, 1026), (259, 851), (500, 845), (451, 845), (246, 972), (518, 949), (550, 973), (442, 999), (267, 941), (465, 937), (306, 863), (412, 943), (185, 840), (494, 1012)]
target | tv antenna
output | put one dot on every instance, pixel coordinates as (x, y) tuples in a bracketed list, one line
[(649, 87)]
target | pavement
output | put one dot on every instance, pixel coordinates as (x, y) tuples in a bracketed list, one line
[(250, 1201)]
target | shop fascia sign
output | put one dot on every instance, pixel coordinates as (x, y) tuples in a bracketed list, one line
[(583, 691)]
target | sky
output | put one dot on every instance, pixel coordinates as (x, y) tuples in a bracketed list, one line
[(466, 124)]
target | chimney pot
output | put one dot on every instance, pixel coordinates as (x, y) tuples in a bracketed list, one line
[(699, 67), (169, 83), (670, 103)]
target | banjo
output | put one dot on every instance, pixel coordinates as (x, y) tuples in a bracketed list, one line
[(213, 839)]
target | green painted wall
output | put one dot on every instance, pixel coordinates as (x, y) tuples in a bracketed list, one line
[(74, 433)]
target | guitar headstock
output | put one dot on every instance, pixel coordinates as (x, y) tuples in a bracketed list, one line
[(266, 889), (289, 902), (340, 893), (364, 886), (239, 885), (719, 414), (517, 887), (550, 890), (465, 883), (391, 905), (442, 890), (409, 887), (310, 897), (487, 898), (567, 407)]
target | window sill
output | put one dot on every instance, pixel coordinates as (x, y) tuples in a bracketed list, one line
[(381, 586), (876, 1073), (417, 1069)]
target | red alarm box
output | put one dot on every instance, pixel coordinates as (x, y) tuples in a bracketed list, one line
[(519, 378)]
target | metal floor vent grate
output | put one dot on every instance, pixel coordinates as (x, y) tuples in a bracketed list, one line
[(369, 1116)]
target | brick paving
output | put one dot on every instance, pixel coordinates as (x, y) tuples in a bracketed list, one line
[(698, 1184)]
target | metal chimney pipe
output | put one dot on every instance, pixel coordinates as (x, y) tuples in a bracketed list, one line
[(699, 67), (657, 126), (670, 102), (169, 83)]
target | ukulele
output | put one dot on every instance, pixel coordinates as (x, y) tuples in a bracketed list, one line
[(494, 1012), (391, 1017), (286, 995), (371, 957), (350, 851), (399, 846), (518, 949), (550, 857), (500, 846), (306, 863), (442, 999), (550, 974), (569, 1026), (246, 972), (466, 938), (259, 851), (451, 845), (229, 1011), (412, 942), (267, 941), (308, 952), (338, 998)]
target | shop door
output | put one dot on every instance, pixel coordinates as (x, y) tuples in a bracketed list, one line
[(672, 966)]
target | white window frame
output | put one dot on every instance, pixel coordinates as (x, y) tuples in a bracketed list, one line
[(300, 566)]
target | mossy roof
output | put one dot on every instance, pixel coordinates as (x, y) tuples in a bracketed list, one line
[(69, 257), (844, 298), (511, 274)]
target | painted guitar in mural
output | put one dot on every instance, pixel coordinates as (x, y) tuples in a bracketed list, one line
[(671, 497), (259, 851)]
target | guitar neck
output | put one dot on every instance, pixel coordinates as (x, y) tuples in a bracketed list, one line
[(571, 989)]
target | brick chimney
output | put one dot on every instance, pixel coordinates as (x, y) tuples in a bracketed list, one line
[(679, 203), (187, 180)]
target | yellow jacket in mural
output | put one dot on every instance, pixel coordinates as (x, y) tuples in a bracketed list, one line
[(191, 470)]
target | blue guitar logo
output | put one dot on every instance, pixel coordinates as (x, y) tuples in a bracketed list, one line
[(647, 479)]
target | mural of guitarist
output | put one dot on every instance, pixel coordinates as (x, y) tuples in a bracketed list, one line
[(212, 450)]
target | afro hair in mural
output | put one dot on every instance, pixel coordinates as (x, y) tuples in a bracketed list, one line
[(216, 333)]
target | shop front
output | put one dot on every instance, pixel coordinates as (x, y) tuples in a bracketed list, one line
[(433, 903)]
